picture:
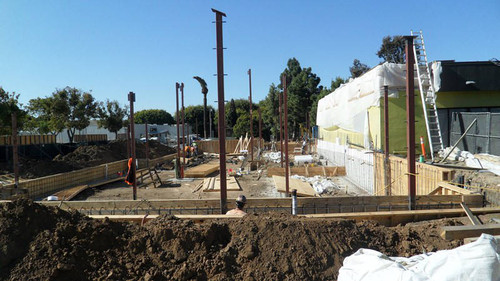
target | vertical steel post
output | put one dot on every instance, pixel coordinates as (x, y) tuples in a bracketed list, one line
[(183, 132), (15, 154), (280, 107), (147, 143), (410, 119), (129, 152), (387, 164), (285, 123), (251, 116), (131, 98), (260, 130), (177, 113), (222, 121)]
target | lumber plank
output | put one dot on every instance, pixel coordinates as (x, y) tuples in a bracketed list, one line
[(453, 188), (464, 231), (214, 186), (201, 171), (308, 172), (303, 188), (470, 215)]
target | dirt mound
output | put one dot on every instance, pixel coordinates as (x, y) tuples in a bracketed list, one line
[(38, 242), (88, 156)]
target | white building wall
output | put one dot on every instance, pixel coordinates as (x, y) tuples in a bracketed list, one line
[(358, 163)]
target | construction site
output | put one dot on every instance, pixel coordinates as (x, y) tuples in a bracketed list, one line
[(399, 175)]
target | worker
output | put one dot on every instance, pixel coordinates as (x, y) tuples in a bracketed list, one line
[(187, 149), (240, 204)]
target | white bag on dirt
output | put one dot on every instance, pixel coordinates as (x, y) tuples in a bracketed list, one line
[(479, 260)]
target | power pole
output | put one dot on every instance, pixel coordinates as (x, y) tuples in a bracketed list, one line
[(183, 132), (222, 121), (280, 109)]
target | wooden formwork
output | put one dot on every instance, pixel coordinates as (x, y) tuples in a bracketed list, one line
[(304, 204), (90, 138), (427, 176), (50, 184), (308, 171), (29, 139)]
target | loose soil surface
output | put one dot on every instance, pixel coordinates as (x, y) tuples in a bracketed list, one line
[(39, 242), (88, 156)]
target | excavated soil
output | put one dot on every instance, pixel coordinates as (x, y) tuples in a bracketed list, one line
[(37, 242), (89, 156)]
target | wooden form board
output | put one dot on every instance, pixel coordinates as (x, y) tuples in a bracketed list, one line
[(308, 171), (337, 204), (445, 188), (386, 218), (213, 184), (201, 171), (303, 188), (44, 186), (427, 179), (28, 139), (464, 231)]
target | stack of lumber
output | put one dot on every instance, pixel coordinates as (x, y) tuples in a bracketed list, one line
[(213, 184), (304, 189), (201, 171)]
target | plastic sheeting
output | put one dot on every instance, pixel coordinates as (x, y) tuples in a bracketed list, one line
[(479, 260), (347, 106)]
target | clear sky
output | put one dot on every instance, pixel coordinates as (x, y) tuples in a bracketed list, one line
[(113, 47)]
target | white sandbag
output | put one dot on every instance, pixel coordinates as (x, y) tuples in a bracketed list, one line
[(479, 260)]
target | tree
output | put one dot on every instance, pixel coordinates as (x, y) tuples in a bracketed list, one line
[(153, 116), (112, 116), (242, 126), (270, 112), (303, 87), (392, 49), (231, 115), (194, 116), (75, 108), (204, 91), (9, 103), (357, 69), (44, 117)]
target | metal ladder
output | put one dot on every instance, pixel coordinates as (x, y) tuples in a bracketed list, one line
[(427, 94)]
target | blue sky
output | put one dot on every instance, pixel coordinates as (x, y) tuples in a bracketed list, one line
[(113, 47)]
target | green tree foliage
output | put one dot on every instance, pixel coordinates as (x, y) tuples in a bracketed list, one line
[(75, 108), (324, 92), (153, 116), (9, 103), (231, 115), (112, 116), (392, 49), (242, 126), (303, 87), (270, 113), (357, 69)]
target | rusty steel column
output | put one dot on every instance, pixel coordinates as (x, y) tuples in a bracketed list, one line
[(387, 163), (178, 159), (260, 130), (15, 154), (251, 116), (131, 98), (147, 143), (280, 107), (222, 121), (410, 119), (183, 132), (285, 123), (129, 153)]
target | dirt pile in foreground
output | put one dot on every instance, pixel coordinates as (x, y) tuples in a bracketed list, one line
[(90, 155), (37, 242)]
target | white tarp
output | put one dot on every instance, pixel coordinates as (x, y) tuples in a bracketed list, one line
[(479, 260), (346, 107)]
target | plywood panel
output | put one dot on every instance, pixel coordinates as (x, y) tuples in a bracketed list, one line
[(213, 184), (201, 171), (303, 188)]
